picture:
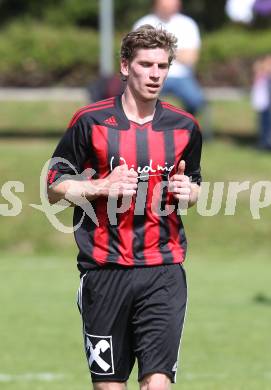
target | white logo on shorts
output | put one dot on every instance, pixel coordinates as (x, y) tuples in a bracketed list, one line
[(99, 351)]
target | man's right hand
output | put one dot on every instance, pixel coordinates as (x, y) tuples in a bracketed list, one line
[(120, 182)]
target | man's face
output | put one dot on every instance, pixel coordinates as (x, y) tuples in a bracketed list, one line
[(146, 73), (166, 8)]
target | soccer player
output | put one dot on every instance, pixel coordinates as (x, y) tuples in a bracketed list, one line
[(181, 81), (135, 160)]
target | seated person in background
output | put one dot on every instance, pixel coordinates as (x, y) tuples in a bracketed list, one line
[(261, 100), (181, 81)]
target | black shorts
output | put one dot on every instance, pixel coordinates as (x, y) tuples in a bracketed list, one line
[(131, 313)]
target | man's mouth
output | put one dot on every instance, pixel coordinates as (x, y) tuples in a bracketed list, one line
[(153, 85)]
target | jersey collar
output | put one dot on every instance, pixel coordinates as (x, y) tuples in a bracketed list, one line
[(124, 122)]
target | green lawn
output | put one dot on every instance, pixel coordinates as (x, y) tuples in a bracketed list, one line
[(23, 161), (36, 117), (226, 342), (233, 117), (51, 117)]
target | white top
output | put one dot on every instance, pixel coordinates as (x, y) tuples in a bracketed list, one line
[(260, 98), (240, 10), (186, 31)]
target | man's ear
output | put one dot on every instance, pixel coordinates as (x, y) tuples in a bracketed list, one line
[(124, 68)]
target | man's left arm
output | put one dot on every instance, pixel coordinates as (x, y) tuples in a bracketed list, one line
[(188, 57), (188, 51), (185, 183)]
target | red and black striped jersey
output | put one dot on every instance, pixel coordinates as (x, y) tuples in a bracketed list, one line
[(101, 137)]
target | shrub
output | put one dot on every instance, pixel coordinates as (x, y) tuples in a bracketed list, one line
[(37, 55), (227, 55), (33, 54)]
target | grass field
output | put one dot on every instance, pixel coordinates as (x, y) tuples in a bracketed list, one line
[(50, 117), (226, 343)]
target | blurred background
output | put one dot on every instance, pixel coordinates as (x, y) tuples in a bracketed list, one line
[(51, 63)]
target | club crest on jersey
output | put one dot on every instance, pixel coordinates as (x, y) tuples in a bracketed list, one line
[(99, 352)]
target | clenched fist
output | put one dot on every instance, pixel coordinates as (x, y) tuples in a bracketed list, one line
[(121, 181)]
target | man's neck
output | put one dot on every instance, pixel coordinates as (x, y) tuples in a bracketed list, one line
[(136, 110), (164, 18)]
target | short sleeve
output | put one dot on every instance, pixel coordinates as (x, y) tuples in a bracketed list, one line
[(188, 33), (192, 156), (72, 151)]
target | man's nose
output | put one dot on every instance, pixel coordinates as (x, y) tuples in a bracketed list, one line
[(154, 71)]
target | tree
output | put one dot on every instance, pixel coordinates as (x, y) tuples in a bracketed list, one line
[(84, 13), (208, 13), (56, 12)]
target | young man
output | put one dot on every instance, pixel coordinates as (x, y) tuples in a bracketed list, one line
[(181, 81), (146, 157)]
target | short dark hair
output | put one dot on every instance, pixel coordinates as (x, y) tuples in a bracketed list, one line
[(148, 37)]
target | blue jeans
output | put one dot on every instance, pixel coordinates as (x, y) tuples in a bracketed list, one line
[(188, 90), (265, 129)]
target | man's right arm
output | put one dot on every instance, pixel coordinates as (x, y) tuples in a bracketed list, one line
[(85, 188), (120, 182)]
